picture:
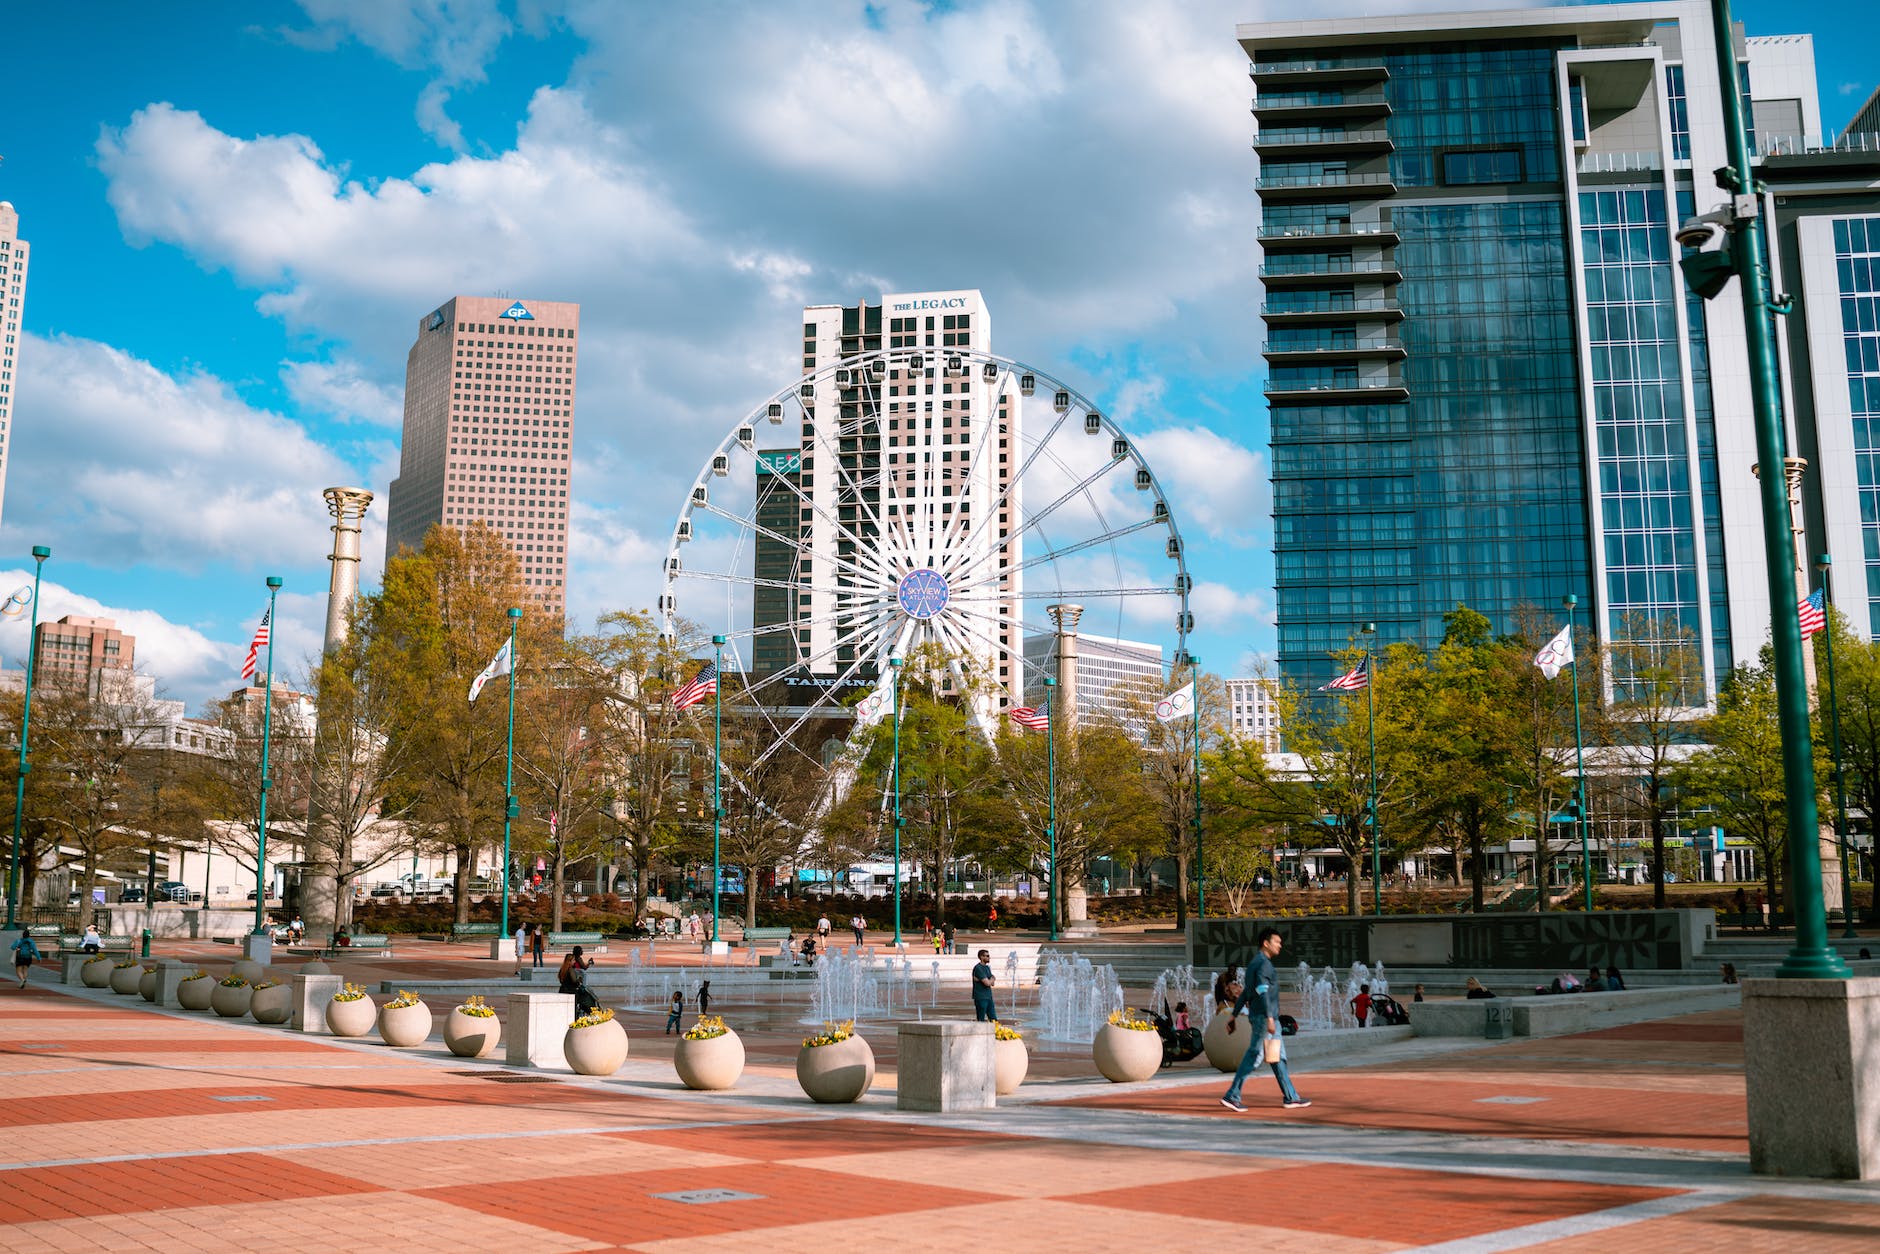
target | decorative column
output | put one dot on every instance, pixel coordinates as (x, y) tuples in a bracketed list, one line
[(319, 892), (1064, 715)]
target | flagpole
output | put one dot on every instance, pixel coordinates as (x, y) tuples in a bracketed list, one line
[(40, 554), (267, 721), (718, 749), (1825, 562), (510, 809), (1201, 857), (894, 664), (1050, 825), (1370, 710), (1579, 758)]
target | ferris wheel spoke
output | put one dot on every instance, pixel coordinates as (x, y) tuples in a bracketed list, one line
[(1060, 594), (806, 664), (791, 542), (824, 698), (1018, 477), (1015, 652), (1052, 555), (990, 425), (842, 531), (1034, 519), (749, 581), (794, 624)]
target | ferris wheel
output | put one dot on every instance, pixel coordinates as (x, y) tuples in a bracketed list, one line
[(907, 497)]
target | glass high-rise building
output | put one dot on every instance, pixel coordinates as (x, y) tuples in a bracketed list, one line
[(1488, 385), (14, 253)]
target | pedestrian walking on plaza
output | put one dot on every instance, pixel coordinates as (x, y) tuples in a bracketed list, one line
[(522, 946), (822, 931), (705, 997), (992, 917), (1267, 1045), (25, 953), (538, 944), (946, 933), (1361, 1004), (673, 1013), (859, 926), (984, 1009)]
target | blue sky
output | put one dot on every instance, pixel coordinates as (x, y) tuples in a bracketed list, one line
[(239, 211)]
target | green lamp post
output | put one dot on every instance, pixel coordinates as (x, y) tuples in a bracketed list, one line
[(40, 554), (267, 727), (895, 663), (1370, 713), (1050, 802)]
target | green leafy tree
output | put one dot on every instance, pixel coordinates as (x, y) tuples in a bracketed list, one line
[(1738, 773), (1169, 761), (1656, 679), (1857, 701), (562, 764)]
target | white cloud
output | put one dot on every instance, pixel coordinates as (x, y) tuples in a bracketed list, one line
[(131, 465), (1214, 483), (339, 390), (1222, 610)]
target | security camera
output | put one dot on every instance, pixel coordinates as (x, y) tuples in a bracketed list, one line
[(1707, 231)]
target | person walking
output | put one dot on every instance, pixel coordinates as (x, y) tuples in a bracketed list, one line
[(1361, 1004), (705, 998), (1262, 990), (984, 1009), (946, 935), (522, 946), (859, 926), (538, 944), (674, 1012), (822, 931), (25, 953)]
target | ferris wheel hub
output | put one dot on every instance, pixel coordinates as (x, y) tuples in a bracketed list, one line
[(922, 593)]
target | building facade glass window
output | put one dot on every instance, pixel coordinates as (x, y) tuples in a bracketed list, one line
[(1857, 266)]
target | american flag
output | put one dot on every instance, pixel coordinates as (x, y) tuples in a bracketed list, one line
[(1812, 613), (703, 685), (259, 643), (1357, 677), (1030, 717)]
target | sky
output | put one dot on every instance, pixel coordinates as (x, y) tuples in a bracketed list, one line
[(238, 213)]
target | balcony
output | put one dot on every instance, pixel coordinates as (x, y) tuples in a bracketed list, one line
[(1275, 108), (1299, 272), (1332, 141), (1620, 162), (1298, 353), (1319, 234), (1352, 391), (1332, 309), (1306, 186), (1308, 73)]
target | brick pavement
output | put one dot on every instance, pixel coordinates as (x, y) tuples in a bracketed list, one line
[(129, 1128)]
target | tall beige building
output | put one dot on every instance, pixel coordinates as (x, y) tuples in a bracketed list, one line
[(13, 252), (489, 418)]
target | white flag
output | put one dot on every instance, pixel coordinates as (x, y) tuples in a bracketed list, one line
[(1177, 704), (876, 706), (499, 665), (1558, 653)]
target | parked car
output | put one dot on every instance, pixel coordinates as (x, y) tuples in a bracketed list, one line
[(132, 896), (174, 890)]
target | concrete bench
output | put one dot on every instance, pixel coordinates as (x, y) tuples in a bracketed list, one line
[(592, 942), (374, 946), (764, 935), (106, 944), (458, 931)]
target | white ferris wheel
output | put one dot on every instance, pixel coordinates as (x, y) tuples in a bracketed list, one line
[(899, 498)]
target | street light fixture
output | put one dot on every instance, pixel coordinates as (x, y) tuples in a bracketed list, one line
[(40, 554)]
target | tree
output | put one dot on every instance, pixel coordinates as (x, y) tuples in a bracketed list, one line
[(1168, 761), (766, 804), (224, 789), (562, 764), (1657, 682), (1738, 773), (1857, 701), (1545, 754)]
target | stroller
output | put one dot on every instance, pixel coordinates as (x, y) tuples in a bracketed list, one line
[(1177, 1045), (1387, 1011)]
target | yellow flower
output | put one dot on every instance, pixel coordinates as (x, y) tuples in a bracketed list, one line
[(477, 1008), (1002, 1033), (832, 1034), (349, 992), (594, 1018), (232, 981), (404, 1000), (1127, 1019), (706, 1027)]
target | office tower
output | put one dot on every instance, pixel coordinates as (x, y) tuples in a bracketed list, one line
[(13, 257), (489, 418), (1488, 384), (1110, 673), (773, 604), (911, 430), (1251, 712)]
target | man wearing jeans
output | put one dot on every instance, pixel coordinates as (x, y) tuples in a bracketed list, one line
[(1262, 982)]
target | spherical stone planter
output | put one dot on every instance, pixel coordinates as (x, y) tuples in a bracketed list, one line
[(596, 1050), (249, 970), (471, 1036), (713, 1062), (837, 1073), (231, 1000), (1123, 1054), (315, 967), (1225, 1051), (195, 994), (351, 1018), (147, 984), (1010, 1061), (96, 973), (274, 1004), (124, 980), (404, 1026)]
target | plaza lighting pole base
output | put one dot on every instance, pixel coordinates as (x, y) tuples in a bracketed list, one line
[(1814, 1097)]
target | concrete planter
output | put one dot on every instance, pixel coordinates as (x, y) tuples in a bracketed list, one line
[(596, 1050), (1010, 1061), (713, 1063), (147, 984), (315, 967), (272, 1005), (837, 1073), (96, 973), (471, 1036), (351, 1018), (1123, 1055), (249, 970), (1225, 1051), (231, 1001), (124, 980), (404, 1026), (195, 994)]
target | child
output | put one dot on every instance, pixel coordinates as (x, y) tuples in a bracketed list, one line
[(1361, 1004), (1181, 1016), (673, 1012), (936, 940)]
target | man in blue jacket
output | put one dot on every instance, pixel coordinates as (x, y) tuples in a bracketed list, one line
[(1261, 988)]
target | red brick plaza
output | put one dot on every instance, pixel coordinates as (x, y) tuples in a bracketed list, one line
[(131, 1128)]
